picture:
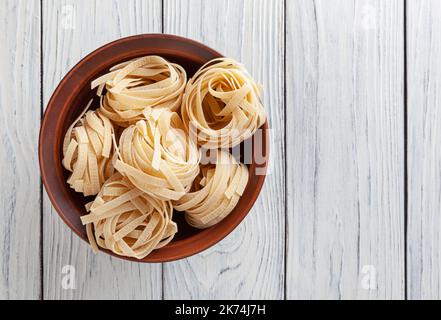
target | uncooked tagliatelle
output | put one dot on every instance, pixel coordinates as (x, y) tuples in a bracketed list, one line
[(127, 221), (140, 152), (87, 151), (157, 156), (222, 104), (132, 86), (216, 191)]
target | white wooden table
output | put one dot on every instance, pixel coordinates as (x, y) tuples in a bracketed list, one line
[(351, 208)]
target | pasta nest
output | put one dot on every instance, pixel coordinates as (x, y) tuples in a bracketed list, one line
[(222, 104), (87, 151), (157, 155), (216, 191), (127, 221), (132, 86)]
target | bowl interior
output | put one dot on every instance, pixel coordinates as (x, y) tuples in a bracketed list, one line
[(73, 94)]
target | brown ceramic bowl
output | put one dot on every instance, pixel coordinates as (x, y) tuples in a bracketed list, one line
[(71, 96)]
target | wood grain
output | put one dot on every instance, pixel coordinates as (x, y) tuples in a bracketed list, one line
[(248, 263), (19, 125), (343, 142), (64, 44), (345, 149), (424, 149)]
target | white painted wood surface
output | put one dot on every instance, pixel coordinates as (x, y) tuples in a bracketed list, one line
[(66, 39), (424, 148), (19, 126), (249, 263), (345, 149)]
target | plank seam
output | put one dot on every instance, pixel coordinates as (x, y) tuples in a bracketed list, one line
[(162, 16), (285, 162), (41, 182), (405, 80)]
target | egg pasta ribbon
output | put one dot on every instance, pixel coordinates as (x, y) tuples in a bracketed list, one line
[(87, 152), (222, 104), (132, 86), (157, 156), (215, 193), (127, 221), (140, 152)]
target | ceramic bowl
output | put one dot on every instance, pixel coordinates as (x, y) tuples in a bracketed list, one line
[(70, 98)]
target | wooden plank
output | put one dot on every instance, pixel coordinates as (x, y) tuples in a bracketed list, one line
[(424, 149), (345, 149), (249, 263), (72, 29), (19, 125)]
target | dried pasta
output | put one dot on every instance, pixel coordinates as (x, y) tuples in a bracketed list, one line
[(138, 155), (215, 193), (157, 156), (87, 151), (222, 104), (127, 221), (132, 86)]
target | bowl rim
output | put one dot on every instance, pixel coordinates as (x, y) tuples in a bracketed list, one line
[(216, 236)]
